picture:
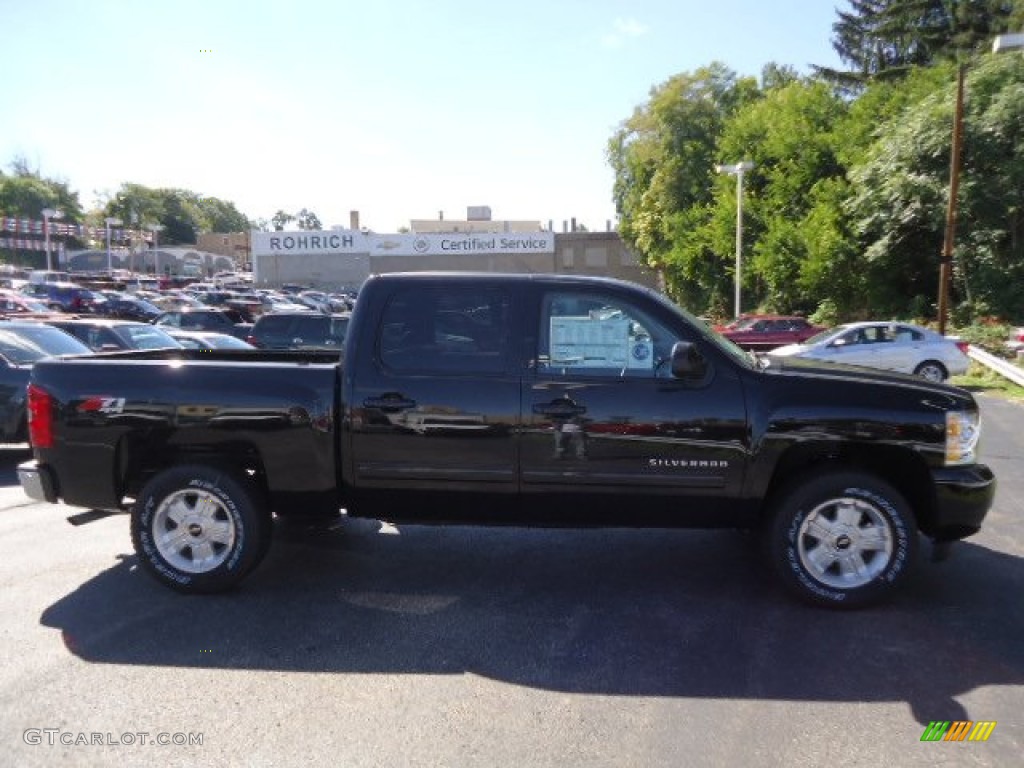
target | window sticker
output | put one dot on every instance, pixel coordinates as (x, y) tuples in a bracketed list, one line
[(598, 342)]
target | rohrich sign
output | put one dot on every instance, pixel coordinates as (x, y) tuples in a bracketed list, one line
[(318, 241)]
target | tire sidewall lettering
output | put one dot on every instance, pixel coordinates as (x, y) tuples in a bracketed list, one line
[(899, 558), (228, 495)]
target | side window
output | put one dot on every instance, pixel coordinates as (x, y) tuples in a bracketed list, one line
[(905, 335), (597, 335), (312, 328), (855, 336), (450, 329), (274, 325), (339, 329)]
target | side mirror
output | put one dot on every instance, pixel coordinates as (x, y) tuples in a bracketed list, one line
[(839, 343), (687, 361)]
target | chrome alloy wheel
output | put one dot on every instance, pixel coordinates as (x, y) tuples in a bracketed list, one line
[(193, 531), (931, 372), (845, 543)]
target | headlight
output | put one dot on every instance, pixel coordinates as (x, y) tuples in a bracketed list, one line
[(963, 428)]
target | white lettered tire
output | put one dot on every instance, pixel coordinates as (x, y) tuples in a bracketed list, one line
[(844, 539), (199, 529)]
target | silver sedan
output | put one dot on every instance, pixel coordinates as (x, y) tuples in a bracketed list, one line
[(888, 345)]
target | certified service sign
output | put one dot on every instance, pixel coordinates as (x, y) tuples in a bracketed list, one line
[(475, 243)]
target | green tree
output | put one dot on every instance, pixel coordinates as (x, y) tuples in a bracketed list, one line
[(789, 136), (25, 193), (664, 154), (902, 193), (306, 219), (182, 212), (886, 39), (280, 220), (221, 216)]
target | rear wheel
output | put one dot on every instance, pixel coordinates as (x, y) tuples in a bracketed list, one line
[(931, 370), (843, 539), (199, 529)]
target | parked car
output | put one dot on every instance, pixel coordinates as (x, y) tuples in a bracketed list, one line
[(206, 319), (105, 334), (22, 306), (1016, 340), (299, 330), (892, 346), (131, 308), (22, 343), (207, 340), (764, 332), (66, 297)]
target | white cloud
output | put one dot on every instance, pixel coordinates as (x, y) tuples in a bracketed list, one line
[(623, 31)]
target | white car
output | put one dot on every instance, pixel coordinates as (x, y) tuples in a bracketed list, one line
[(888, 345)]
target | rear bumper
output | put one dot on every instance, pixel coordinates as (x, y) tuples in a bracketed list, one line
[(37, 481), (964, 496)]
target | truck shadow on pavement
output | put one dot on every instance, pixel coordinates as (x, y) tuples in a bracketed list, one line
[(611, 612)]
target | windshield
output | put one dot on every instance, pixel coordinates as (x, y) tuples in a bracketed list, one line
[(824, 335), (29, 344), (146, 337), (744, 358)]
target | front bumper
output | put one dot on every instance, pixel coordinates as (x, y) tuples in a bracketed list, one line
[(964, 496), (37, 481)]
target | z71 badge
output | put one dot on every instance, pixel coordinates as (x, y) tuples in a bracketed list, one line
[(97, 404)]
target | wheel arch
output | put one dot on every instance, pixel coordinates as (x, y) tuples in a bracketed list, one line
[(140, 458), (902, 468)]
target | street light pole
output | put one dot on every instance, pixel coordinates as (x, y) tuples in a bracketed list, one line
[(49, 213), (155, 229), (110, 220), (738, 169)]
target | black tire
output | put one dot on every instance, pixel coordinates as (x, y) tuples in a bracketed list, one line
[(932, 370), (842, 539), (223, 528)]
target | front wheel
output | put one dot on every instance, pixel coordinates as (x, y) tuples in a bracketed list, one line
[(199, 529), (842, 539)]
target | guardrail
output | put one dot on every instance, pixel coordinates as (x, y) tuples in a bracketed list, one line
[(1002, 367)]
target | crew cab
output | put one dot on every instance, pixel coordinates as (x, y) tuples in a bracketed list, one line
[(513, 400)]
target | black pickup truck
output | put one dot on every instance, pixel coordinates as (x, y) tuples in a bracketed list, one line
[(519, 400)]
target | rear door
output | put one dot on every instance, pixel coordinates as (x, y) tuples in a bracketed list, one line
[(435, 399)]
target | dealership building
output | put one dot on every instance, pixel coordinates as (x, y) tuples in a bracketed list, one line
[(344, 258)]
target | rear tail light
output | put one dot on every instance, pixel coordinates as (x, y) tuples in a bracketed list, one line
[(40, 417), (963, 346)]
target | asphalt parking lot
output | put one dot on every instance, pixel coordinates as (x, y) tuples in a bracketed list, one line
[(366, 644)]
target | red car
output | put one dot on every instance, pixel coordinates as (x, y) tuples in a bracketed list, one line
[(764, 332)]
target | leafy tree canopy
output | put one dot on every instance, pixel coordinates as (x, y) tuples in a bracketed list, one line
[(182, 214), (885, 39), (25, 193)]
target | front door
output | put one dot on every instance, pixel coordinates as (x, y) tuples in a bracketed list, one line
[(608, 433)]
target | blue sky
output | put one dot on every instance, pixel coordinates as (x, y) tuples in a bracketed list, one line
[(396, 109)]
